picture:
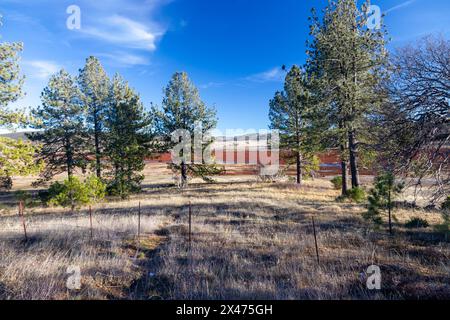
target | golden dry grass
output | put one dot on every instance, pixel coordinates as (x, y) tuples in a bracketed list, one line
[(37, 268), (250, 241), (255, 241)]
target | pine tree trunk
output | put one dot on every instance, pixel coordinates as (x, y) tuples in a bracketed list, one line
[(69, 169), (97, 147), (390, 212), (123, 191), (69, 159), (353, 148), (344, 178), (299, 168), (298, 154), (183, 174), (344, 172), (353, 159)]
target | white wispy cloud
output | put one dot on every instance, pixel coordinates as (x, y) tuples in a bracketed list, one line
[(211, 84), (272, 75), (126, 32), (125, 59), (126, 7), (41, 69), (20, 17), (400, 6)]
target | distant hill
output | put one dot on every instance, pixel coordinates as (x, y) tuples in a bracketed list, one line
[(250, 140), (15, 135)]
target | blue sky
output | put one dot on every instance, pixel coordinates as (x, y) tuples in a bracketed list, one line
[(232, 49)]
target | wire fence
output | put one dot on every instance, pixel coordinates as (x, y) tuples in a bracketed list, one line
[(90, 225), (87, 223)]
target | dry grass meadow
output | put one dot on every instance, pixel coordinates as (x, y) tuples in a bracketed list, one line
[(249, 241)]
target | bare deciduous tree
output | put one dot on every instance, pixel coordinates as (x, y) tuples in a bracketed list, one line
[(419, 113)]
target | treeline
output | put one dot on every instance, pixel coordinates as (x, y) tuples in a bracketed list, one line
[(386, 113), (92, 123), (91, 115)]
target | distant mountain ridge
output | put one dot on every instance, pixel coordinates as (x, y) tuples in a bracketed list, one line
[(16, 135), (249, 139)]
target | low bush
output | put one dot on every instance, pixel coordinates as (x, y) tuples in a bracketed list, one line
[(44, 197), (6, 183), (74, 193), (357, 194), (382, 198), (122, 188), (96, 189), (446, 204), (26, 198), (337, 182), (417, 223), (445, 226)]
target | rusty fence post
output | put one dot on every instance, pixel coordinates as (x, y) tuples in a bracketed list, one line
[(315, 241), (21, 214)]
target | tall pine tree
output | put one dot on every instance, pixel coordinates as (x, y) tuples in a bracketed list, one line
[(94, 85), (10, 82), (16, 157), (350, 61), (182, 109), (128, 138), (61, 127), (291, 112)]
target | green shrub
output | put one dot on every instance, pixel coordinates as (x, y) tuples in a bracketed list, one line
[(23, 196), (357, 195), (446, 204), (44, 196), (74, 193), (122, 186), (417, 223), (311, 165), (382, 198), (118, 188), (445, 226), (337, 182), (55, 189), (96, 189), (6, 183), (28, 199)]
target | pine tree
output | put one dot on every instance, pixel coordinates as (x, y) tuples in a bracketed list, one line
[(94, 84), (128, 138), (61, 126), (382, 197), (10, 82), (182, 109), (16, 157), (291, 112), (350, 61)]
